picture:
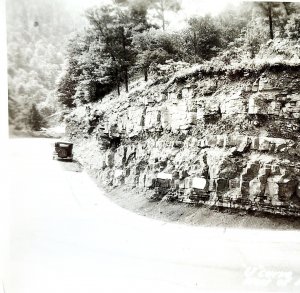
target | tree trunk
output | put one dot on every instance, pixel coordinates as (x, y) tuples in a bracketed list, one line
[(118, 87), (270, 20), (162, 7), (195, 46), (126, 79), (118, 82), (124, 56), (146, 73), (163, 22), (252, 51), (286, 8)]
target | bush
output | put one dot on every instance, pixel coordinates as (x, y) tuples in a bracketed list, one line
[(292, 27)]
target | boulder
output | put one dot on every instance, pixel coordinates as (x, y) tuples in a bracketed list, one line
[(222, 185), (241, 142), (118, 173), (200, 183), (234, 183), (130, 152), (187, 93), (141, 180), (280, 189), (109, 158), (164, 176), (244, 144), (265, 84), (257, 187), (134, 121), (131, 180), (233, 103), (263, 103), (254, 143), (172, 96), (149, 181), (179, 116), (120, 156), (152, 119), (211, 140), (264, 144), (248, 174)]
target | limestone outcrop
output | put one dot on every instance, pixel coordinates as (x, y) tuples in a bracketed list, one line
[(209, 139)]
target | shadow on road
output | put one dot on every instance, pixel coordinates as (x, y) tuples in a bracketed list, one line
[(73, 166)]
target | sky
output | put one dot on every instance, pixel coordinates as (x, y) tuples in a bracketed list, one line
[(202, 7), (197, 7), (189, 8)]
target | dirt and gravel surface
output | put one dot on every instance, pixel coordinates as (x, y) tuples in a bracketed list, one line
[(136, 200), (199, 216)]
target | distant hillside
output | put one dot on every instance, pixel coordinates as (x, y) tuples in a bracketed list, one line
[(37, 34)]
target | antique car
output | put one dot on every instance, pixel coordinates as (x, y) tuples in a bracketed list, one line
[(63, 151)]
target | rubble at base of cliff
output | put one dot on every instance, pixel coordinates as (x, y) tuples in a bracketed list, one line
[(207, 140)]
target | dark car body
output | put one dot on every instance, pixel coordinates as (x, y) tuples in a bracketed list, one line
[(63, 151)]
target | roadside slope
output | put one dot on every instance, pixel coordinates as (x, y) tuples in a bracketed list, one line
[(219, 139)]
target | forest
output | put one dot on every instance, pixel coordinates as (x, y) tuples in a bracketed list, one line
[(62, 67), (37, 35)]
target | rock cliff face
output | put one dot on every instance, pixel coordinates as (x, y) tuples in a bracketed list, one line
[(217, 140)]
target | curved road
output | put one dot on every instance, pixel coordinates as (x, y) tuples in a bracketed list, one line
[(66, 236)]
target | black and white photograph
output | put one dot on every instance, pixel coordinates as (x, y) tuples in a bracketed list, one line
[(150, 146)]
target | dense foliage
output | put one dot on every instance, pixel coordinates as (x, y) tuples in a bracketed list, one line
[(35, 120), (130, 38), (37, 31), (120, 43)]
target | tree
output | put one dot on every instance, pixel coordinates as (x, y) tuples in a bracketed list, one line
[(116, 27), (291, 7), (66, 89), (109, 23), (101, 57), (35, 120), (161, 6), (231, 21), (69, 77), (252, 38), (293, 27), (36, 34), (156, 47), (272, 10), (202, 37), (89, 71)]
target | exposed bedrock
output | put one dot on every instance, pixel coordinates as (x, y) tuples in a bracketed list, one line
[(207, 140)]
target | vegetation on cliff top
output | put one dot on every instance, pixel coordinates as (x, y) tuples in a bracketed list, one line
[(120, 44), (130, 39)]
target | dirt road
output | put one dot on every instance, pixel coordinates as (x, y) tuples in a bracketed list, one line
[(68, 237)]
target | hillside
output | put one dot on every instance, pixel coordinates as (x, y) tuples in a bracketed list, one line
[(37, 34), (189, 135)]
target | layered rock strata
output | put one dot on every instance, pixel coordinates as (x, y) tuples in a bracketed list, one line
[(213, 140)]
